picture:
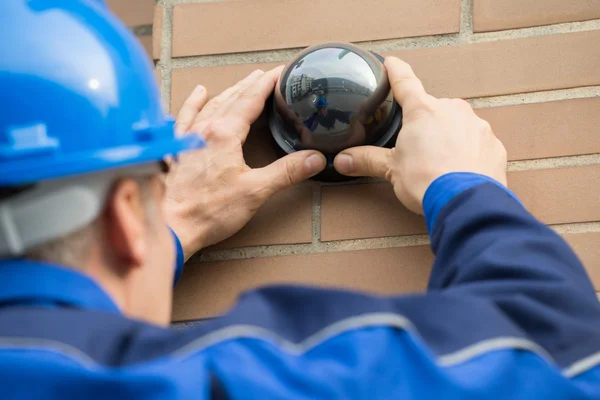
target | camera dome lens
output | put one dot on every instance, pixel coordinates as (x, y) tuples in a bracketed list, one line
[(331, 97)]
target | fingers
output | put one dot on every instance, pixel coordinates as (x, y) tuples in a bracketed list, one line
[(190, 109), (222, 130), (243, 103), (218, 105), (406, 87), (250, 103), (363, 161), (286, 171)]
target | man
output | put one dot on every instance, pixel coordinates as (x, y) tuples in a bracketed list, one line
[(326, 116), (87, 255)]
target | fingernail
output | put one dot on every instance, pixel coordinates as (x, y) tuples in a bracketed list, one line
[(344, 163), (199, 89), (314, 163)]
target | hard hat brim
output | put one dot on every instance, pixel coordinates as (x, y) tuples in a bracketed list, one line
[(30, 171)]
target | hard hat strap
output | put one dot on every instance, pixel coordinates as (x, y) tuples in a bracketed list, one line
[(56, 208)]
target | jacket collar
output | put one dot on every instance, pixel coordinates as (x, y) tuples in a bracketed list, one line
[(27, 282)]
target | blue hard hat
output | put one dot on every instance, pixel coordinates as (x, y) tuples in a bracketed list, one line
[(78, 94), (322, 102)]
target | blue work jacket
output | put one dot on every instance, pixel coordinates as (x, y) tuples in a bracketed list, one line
[(509, 314)]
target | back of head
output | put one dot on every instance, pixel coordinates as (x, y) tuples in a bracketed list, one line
[(80, 107)]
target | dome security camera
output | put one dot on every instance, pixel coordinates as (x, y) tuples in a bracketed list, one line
[(331, 97)]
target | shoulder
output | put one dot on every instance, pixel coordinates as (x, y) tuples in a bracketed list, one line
[(294, 342)]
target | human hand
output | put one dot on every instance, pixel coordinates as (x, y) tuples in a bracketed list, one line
[(438, 136), (212, 193)]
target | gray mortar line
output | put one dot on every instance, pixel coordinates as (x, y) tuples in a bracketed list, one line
[(576, 228), (544, 30), (353, 245), (316, 213), (535, 97), (322, 247), (284, 55), (411, 43), (407, 43), (194, 1), (164, 64), (515, 165), (554, 162), (466, 18), (218, 60)]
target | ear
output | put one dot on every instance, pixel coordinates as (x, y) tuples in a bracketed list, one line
[(126, 224)]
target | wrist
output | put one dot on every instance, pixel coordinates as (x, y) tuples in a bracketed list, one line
[(191, 238)]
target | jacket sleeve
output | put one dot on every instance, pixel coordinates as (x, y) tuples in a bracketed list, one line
[(510, 313), (489, 246), (179, 258)]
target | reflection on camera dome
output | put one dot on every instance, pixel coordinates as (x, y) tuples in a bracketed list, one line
[(333, 98)]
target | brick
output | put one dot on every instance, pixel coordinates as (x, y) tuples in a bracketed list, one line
[(158, 74), (133, 12), (552, 129), (157, 28), (555, 196), (210, 289), (466, 71), (236, 26), (286, 218), (493, 15), (365, 211), (508, 66), (561, 195), (215, 79), (587, 249)]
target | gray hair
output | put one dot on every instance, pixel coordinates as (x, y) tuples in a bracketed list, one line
[(73, 249), (58, 221)]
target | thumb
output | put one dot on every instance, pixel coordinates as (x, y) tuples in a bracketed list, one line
[(288, 171), (363, 161)]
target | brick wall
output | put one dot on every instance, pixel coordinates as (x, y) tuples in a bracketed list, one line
[(530, 67), (139, 16)]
